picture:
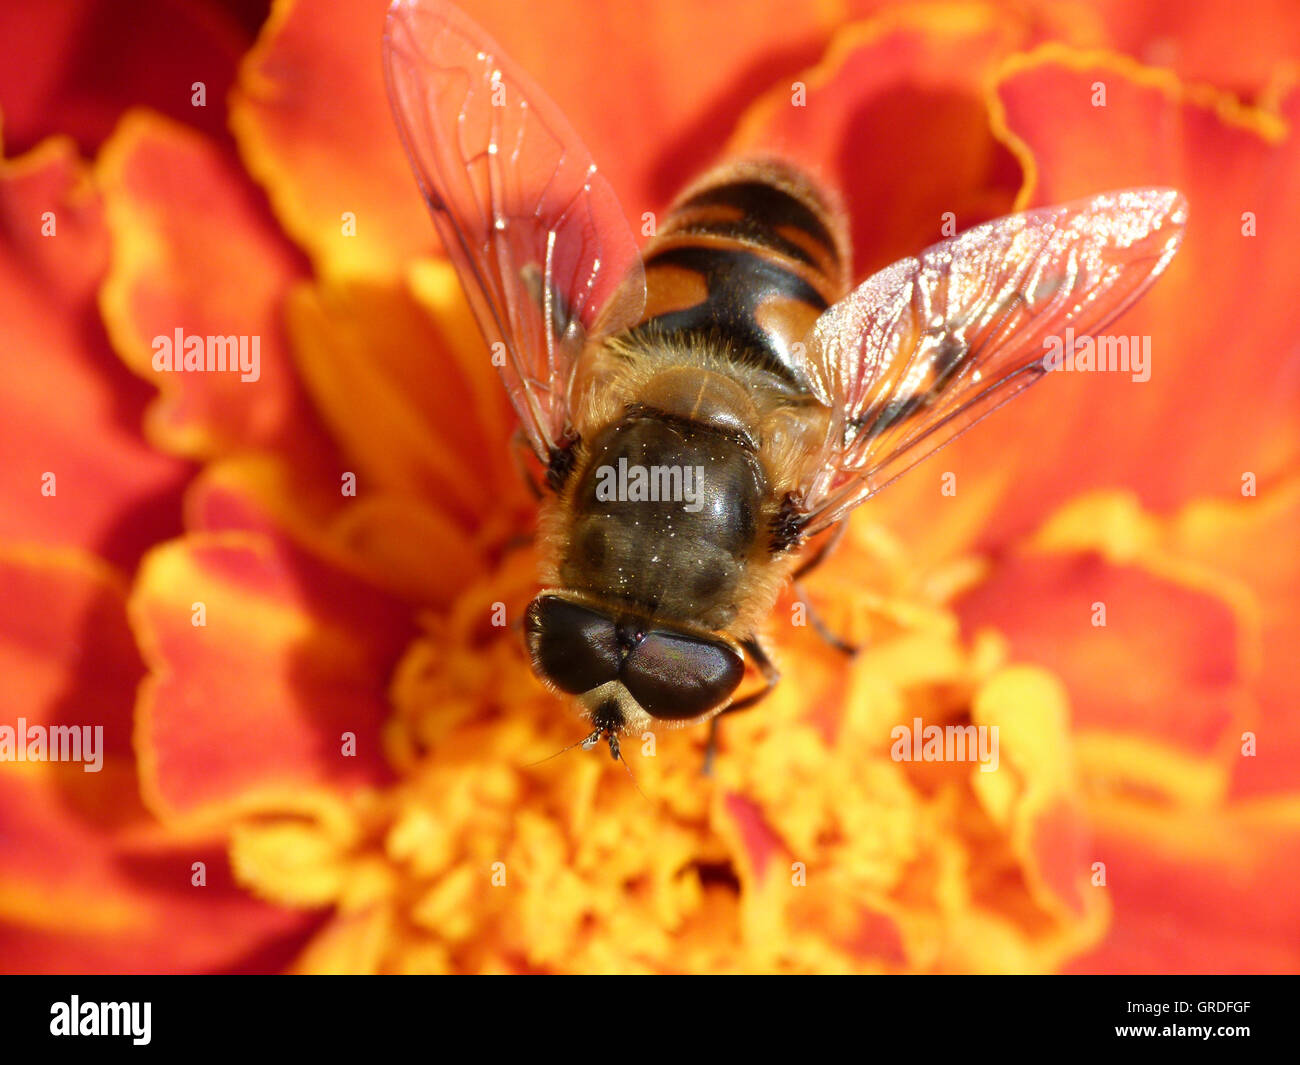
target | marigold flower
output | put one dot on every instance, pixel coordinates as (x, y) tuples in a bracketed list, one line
[(320, 750)]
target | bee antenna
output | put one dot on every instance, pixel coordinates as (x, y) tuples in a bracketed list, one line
[(586, 741), (618, 756)]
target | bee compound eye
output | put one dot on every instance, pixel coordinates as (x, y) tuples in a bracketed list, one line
[(573, 647), (673, 676)]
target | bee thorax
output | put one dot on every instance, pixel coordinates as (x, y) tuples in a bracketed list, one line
[(666, 512)]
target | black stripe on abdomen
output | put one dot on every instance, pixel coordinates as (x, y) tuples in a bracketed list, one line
[(765, 210), (738, 283)]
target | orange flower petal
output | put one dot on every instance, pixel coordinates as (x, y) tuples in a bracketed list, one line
[(895, 117), (257, 701), (68, 654), (651, 112), (415, 411), (193, 250), (83, 62), (1058, 840), (87, 882), (88, 885), (67, 408), (1254, 541), (1220, 332), (1223, 389), (1032, 790), (1212, 40), (634, 89), (265, 494), (1204, 891), (323, 153), (1138, 654), (759, 843), (410, 548)]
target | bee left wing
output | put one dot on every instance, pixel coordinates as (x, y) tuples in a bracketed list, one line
[(930, 345), (537, 236)]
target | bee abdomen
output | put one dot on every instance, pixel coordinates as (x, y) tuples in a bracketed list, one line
[(750, 254), (772, 208)]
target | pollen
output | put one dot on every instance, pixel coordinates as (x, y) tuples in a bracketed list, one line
[(810, 849)]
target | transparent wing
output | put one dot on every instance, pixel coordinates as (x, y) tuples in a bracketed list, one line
[(535, 232), (930, 345)]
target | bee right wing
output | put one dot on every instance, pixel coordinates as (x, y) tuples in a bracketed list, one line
[(537, 236), (927, 347)]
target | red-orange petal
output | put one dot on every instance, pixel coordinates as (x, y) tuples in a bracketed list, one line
[(1254, 541), (194, 250), (312, 122), (409, 547), (1224, 389), (253, 706), (68, 410), (895, 116), (88, 881), (650, 112), (82, 63), (415, 406), (1217, 41), (1207, 891), (1138, 654)]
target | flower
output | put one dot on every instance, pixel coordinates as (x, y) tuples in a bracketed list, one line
[(321, 747)]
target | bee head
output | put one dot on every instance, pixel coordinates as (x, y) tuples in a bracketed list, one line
[(627, 670)]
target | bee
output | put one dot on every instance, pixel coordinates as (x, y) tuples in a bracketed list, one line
[(706, 408)]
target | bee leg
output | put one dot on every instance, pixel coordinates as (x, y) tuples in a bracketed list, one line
[(820, 627), (807, 566), (770, 676), (823, 551), (520, 450)]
